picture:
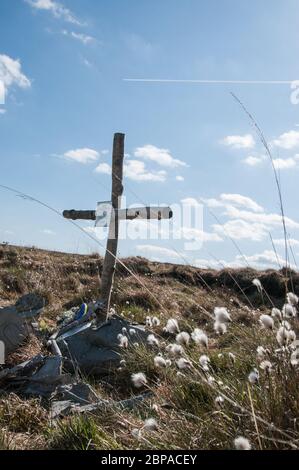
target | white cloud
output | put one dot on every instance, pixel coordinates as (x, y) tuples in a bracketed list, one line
[(48, 232), (158, 155), (180, 178), (270, 220), (288, 140), (87, 63), (84, 155), (239, 141), (2, 111), (227, 200), (285, 163), (190, 201), (103, 168), (281, 242), (209, 264), (11, 73), (7, 232), (212, 203), (266, 259), (196, 234), (253, 161), (157, 253), (84, 38), (239, 200), (136, 171), (57, 9), (241, 230), (247, 219)]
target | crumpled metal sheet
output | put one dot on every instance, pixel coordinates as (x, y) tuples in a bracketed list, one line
[(70, 397), (22, 370), (96, 351), (15, 324), (67, 407), (88, 349), (45, 381)]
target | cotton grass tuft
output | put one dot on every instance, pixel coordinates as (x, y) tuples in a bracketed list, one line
[(183, 338), (150, 425), (152, 340), (222, 315), (139, 379), (267, 322), (172, 326), (241, 443), (200, 337)]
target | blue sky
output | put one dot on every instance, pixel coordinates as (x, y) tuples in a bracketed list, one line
[(64, 64)]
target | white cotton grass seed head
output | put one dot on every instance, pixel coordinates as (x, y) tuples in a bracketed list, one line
[(219, 400), (148, 322), (257, 283), (286, 324), (241, 443), (291, 336), (124, 342), (261, 352), (289, 311), (254, 376), (285, 336), (276, 313), (200, 337), (155, 321), (152, 340), (150, 425), (139, 379), (204, 362), (175, 350), (220, 328), (292, 298), (266, 366), (172, 326), (222, 315), (183, 338), (132, 331), (267, 322), (124, 331), (183, 363), (232, 357), (160, 362), (295, 358)]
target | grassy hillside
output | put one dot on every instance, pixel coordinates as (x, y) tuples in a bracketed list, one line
[(196, 402)]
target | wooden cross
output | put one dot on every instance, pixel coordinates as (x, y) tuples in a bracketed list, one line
[(117, 214)]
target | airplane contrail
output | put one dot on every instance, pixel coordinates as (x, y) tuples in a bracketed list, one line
[(229, 82)]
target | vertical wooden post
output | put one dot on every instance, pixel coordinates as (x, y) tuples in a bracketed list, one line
[(112, 242)]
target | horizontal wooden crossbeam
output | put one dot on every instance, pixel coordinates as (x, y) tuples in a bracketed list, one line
[(79, 215), (153, 213)]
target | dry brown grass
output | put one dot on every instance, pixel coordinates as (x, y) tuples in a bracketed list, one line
[(184, 406)]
